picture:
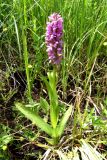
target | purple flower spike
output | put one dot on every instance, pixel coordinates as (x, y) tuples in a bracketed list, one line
[(54, 31)]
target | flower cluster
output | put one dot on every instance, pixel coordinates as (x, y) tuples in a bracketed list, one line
[(54, 32)]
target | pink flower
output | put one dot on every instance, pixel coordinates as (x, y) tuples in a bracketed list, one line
[(53, 39)]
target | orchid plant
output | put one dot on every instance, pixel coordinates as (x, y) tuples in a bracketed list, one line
[(56, 125)]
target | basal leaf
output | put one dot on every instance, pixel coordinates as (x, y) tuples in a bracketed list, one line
[(44, 104), (63, 121), (35, 118)]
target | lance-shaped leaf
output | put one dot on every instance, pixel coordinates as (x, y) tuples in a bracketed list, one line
[(53, 103), (44, 104), (49, 89), (63, 121), (35, 118)]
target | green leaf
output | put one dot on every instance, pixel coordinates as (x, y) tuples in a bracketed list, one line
[(49, 89), (105, 101), (50, 141), (54, 109), (53, 82), (52, 79), (63, 121), (44, 104), (35, 118), (5, 139)]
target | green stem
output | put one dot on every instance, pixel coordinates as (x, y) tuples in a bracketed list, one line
[(26, 65), (26, 56), (54, 109)]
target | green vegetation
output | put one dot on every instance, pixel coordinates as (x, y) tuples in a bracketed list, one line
[(26, 86)]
